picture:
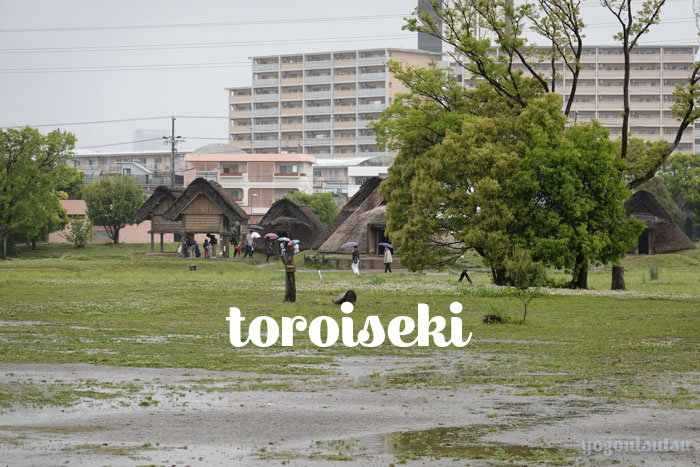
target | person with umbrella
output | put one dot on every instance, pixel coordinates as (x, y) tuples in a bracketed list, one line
[(268, 245), (248, 245), (387, 257), (355, 256), (212, 242)]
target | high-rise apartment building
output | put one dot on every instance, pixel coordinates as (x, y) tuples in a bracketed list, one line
[(654, 73), (317, 103)]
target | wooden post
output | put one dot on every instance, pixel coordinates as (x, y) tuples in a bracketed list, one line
[(161, 242), (153, 248), (290, 284)]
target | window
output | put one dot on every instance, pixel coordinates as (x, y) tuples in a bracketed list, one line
[(236, 194), (287, 169)]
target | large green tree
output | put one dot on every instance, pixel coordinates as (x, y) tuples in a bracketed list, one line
[(113, 202), (682, 176), (321, 204), (31, 168)]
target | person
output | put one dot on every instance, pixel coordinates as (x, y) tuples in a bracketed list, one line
[(296, 248), (387, 260), (283, 249), (249, 245), (206, 248), (213, 242), (268, 249), (355, 260), (197, 253), (234, 243), (189, 246)]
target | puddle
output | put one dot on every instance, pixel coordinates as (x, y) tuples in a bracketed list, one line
[(462, 442)]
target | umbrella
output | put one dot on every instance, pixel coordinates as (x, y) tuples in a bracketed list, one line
[(385, 244), (283, 239), (254, 227), (349, 244), (271, 236), (255, 235), (293, 242)]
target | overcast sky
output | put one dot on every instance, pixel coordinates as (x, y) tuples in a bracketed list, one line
[(68, 84)]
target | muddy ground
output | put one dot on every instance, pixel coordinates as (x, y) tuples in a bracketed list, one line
[(367, 412)]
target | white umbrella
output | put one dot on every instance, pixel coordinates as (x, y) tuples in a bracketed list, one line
[(255, 235)]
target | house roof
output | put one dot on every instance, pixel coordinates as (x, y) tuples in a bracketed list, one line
[(291, 211), (230, 157), (216, 195), (159, 194), (74, 207)]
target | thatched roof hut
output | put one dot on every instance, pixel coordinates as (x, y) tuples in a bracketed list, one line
[(662, 235), (154, 208), (365, 222), (204, 207), (367, 190), (292, 219)]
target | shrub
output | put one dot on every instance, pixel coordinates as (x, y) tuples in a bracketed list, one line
[(79, 232)]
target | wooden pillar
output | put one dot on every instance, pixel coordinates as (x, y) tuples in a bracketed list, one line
[(161, 242), (152, 245), (290, 284), (226, 245)]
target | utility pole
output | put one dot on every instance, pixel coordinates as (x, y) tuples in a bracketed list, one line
[(173, 140)]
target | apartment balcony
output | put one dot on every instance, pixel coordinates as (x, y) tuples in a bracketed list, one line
[(266, 97), (317, 64), (317, 142), (344, 124), (645, 89), (289, 175), (266, 112), (366, 139), (371, 107), (266, 143), (344, 62), (265, 67), (323, 109), (240, 129), (379, 92), (339, 109), (372, 153), (292, 66), (645, 121), (611, 58), (319, 154), (351, 93), (616, 90), (266, 127), (292, 96), (610, 106), (679, 58), (677, 74), (364, 123), (644, 58), (317, 125), (292, 126), (241, 143), (292, 111), (371, 76), (317, 79), (240, 112), (317, 95), (619, 74), (645, 105), (298, 80), (670, 121), (338, 78), (239, 98), (345, 141), (266, 82), (367, 61)]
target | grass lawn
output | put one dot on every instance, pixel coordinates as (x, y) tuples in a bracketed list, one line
[(114, 305)]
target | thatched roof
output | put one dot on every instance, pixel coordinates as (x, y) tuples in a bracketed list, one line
[(368, 188), (668, 237), (216, 195), (354, 229), (288, 211), (159, 194)]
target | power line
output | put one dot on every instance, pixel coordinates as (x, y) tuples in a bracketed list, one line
[(120, 144), (95, 122), (200, 25), (194, 45)]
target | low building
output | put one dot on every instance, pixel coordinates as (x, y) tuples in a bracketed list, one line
[(343, 176), (292, 219), (254, 181)]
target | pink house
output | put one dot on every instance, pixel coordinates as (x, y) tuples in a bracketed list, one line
[(129, 234)]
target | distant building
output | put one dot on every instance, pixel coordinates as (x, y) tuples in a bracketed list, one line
[(344, 176), (150, 140), (254, 181), (425, 41)]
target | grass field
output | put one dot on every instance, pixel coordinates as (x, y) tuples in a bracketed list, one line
[(114, 305)]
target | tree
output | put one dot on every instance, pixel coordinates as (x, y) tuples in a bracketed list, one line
[(30, 168), (113, 202), (657, 187), (79, 233), (69, 180), (682, 177), (321, 204), (525, 275)]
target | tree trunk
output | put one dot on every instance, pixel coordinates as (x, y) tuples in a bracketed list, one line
[(115, 238), (499, 276), (290, 283), (618, 278), (33, 243), (580, 276), (3, 247)]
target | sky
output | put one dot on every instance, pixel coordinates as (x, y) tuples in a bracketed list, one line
[(74, 61)]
